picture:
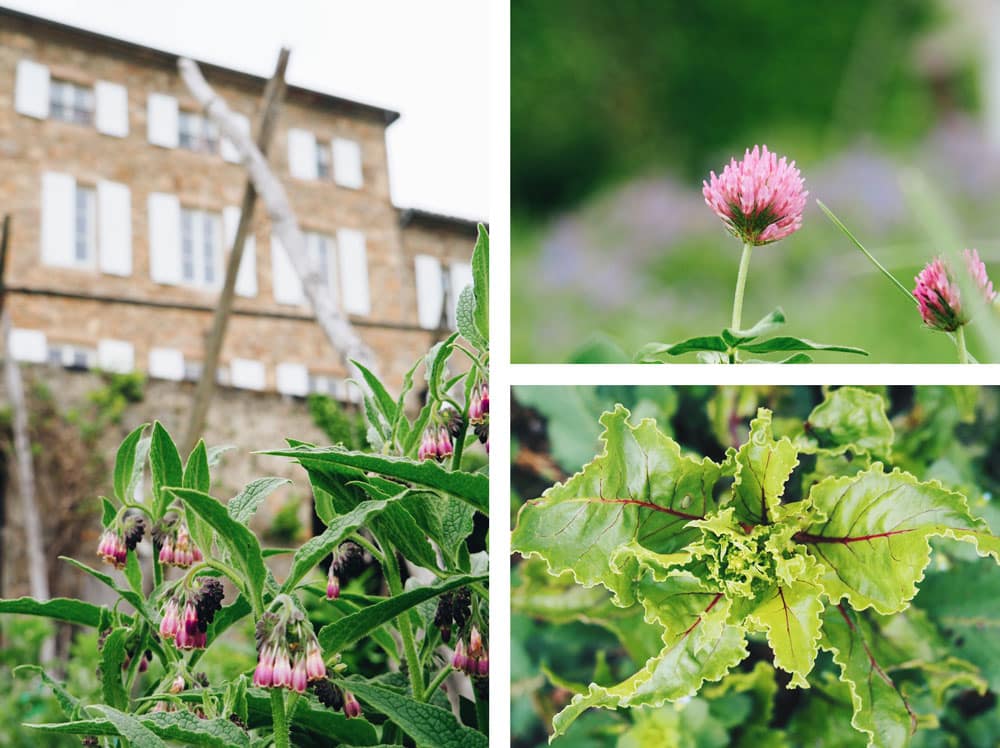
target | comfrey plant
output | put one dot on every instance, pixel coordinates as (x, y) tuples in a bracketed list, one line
[(808, 541), (760, 201), (187, 569)]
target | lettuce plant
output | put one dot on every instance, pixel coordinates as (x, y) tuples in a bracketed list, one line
[(717, 554), (409, 511)]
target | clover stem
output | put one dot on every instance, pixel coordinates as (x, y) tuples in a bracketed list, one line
[(279, 718), (963, 353), (741, 285)]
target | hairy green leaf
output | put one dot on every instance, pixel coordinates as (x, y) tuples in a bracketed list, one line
[(125, 463), (187, 727), (349, 629), (244, 504), (481, 284), (69, 704), (129, 727), (59, 609), (112, 660), (165, 466), (465, 319), (425, 723)]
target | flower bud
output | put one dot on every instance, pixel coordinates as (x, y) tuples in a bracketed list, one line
[(351, 706)]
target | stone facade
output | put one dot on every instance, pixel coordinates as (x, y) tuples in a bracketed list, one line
[(82, 307)]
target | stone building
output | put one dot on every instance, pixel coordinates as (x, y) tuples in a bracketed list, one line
[(123, 203), (122, 200)]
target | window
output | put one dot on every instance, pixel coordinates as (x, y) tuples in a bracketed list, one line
[(85, 225), (201, 247), (324, 165), (196, 132), (438, 290), (70, 102), (321, 253), (72, 357)]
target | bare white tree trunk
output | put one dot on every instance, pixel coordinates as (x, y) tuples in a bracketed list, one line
[(38, 574), (335, 324)]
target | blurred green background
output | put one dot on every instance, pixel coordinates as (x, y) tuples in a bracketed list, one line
[(619, 110), (564, 637)]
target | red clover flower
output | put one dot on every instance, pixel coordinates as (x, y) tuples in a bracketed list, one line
[(938, 294)]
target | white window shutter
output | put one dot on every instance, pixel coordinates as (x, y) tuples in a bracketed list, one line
[(114, 227), (164, 238), (31, 91), (227, 149), (115, 355), (112, 109), (29, 345), (58, 224), (246, 374), (347, 171), (302, 154), (246, 276), (166, 363), (353, 271), (430, 291), (162, 120), (293, 379), (284, 280), (459, 276)]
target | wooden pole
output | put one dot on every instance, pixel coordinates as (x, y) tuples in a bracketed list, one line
[(38, 574), (274, 93)]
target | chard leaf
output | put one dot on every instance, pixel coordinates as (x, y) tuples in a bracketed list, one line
[(763, 466), (639, 489), (790, 616), (880, 709), (849, 418), (873, 539)]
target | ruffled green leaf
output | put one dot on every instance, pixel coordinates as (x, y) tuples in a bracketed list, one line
[(849, 418), (639, 489), (873, 541), (685, 663), (880, 709), (763, 466), (790, 617)]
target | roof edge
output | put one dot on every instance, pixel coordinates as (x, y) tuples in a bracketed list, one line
[(114, 45), (409, 216)]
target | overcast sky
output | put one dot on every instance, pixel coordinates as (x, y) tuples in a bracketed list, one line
[(427, 60)]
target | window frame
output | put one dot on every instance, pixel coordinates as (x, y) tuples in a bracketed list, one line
[(74, 111), (200, 219), (203, 138)]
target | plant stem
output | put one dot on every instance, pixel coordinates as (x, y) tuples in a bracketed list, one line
[(391, 569), (741, 286), (481, 690), (436, 683), (963, 353), (279, 719)]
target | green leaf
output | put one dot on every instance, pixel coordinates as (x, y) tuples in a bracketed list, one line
[(481, 284), (763, 466), (685, 663), (76, 727), (880, 709), (849, 418), (125, 463), (242, 543), (59, 609), (435, 366), (767, 324), (229, 615), (790, 616), (786, 343), (426, 724), (473, 488), (133, 573), (187, 727), (654, 352), (465, 319), (196, 473), (112, 659), (639, 489), (447, 521), (316, 549), (215, 453), (135, 599), (165, 466), (321, 724), (397, 525), (69, 704), (245, 504), (386, 405), (130, 728), (108, 511), (336, 636), (883, 521)]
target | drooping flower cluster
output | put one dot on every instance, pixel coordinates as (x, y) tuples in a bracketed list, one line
[(760, 199), (120, 538), (437, 442), (174, 539), (189, 611), (452, 608), (479, 412), (939, 296), (332, 696), (346, 558), (288, 653), (472, 656)]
